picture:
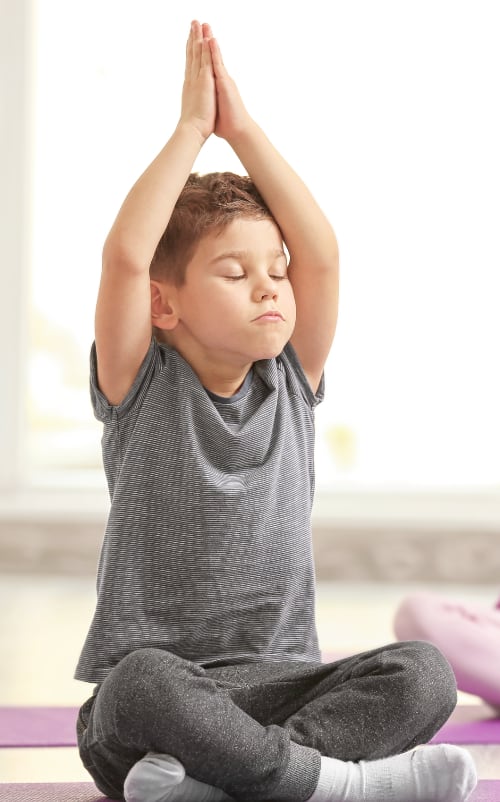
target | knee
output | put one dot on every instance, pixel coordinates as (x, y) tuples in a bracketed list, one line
[(144, 660), (143, 686), (142, 677), (429, 682)]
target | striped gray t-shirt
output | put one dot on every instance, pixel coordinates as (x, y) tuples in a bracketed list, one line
[(207, 551)]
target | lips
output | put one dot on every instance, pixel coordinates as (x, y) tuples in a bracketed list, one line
[(273, 315)]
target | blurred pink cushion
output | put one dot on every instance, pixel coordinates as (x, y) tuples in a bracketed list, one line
[(467, 634)]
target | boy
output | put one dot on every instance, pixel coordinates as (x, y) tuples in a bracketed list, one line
[(203, 644)]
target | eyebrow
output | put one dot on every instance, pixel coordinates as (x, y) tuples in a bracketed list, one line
[(244, 254)]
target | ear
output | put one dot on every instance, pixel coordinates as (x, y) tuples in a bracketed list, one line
[(163, 306)]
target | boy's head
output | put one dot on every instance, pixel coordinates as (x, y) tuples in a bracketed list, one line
[(219, 278), (207, 204)]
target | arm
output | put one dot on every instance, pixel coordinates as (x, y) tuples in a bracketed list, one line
[(309, 237), (123, 313)]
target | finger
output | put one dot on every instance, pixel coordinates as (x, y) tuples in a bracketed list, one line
[(206, 57), (207, 30), (189, 53), (217, 62), (197, 37)]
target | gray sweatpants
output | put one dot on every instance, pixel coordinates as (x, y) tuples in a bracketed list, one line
[(257, 730)]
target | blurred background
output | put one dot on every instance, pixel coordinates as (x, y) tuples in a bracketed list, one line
[(388, 110)]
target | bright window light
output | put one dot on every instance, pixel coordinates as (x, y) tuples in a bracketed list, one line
[(389, 111)]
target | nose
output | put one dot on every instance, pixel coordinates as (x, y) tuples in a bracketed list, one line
[(265, 288)]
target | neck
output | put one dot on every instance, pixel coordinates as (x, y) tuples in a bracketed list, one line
[(221, 379), (224, 388), (218, 376)]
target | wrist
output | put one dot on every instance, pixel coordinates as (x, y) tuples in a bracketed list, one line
[(246, 132), (189, 130)]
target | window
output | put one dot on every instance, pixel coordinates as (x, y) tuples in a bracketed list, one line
[(389, 112)]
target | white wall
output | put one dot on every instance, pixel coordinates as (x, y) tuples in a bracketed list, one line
[(388, 110)]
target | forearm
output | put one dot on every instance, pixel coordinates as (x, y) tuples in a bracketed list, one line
[(308, 234), (145, 213)]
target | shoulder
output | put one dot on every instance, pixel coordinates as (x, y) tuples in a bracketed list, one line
[(288, 363), (160, 360)]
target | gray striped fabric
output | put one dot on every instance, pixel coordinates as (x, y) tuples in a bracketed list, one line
[(207, 551)]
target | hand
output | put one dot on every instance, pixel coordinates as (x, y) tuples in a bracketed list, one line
[(232, 116), (199, 103)]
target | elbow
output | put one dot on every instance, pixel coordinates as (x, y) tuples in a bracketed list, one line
[(122, 255), (328, 261), (334, 259), (334, 253)]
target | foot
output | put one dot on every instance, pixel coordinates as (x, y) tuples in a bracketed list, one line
[(439, 773), (162, 778)]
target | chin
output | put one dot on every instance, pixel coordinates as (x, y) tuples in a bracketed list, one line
[(269, 353)]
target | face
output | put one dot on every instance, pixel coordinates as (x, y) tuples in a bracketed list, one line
[(237, 304)]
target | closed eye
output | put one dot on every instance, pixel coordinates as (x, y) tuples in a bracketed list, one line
[(238, 278)]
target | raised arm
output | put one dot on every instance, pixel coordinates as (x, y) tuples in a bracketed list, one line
[(123, 314), (309, 237)]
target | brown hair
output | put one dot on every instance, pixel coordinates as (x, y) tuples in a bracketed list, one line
[(206, 204)]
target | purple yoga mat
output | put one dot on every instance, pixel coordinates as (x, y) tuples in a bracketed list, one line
[(486, 791), (470, 724), (38, 726), (51, 792), (55, 726)]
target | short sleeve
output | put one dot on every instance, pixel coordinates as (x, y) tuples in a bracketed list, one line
[(289, 356), (102, 408)]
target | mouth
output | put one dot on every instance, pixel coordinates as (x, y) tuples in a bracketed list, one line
[(271, 316)]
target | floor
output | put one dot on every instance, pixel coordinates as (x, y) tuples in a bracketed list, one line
[(44, 621)]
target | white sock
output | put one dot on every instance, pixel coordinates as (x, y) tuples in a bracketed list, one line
[(162, 778), (438, 773)]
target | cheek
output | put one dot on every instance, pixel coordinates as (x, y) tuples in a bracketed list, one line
[(290, 300), (204, 300)]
